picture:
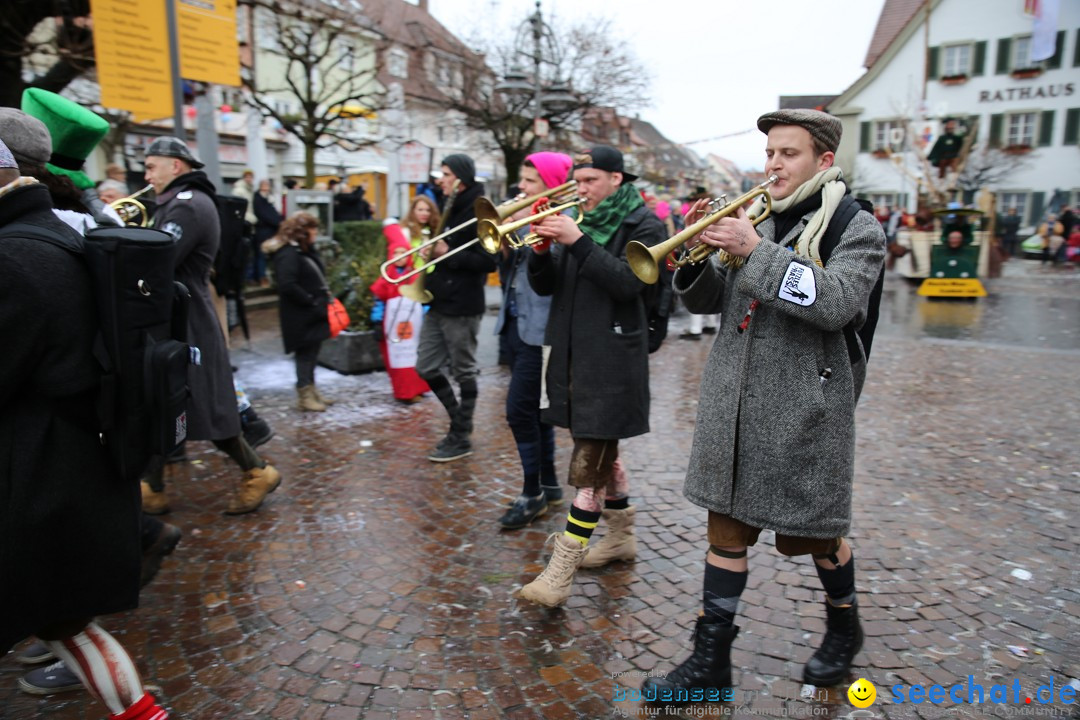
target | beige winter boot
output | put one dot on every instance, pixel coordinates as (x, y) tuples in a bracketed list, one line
[(619, 543), (308, 401), (552, 587), (322, 398), (249, 493), (154, 503)]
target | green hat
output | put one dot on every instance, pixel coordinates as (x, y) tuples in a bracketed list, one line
[(75, 132)]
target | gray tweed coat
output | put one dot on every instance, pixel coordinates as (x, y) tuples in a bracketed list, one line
[(774, 444)]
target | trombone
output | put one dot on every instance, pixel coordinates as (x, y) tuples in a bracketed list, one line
[(484, 210), (130, 210), (493, 234), (645, 260)]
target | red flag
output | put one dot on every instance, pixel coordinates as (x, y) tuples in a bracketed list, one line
[(1031, 7)]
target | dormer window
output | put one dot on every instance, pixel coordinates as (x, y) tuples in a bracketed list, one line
[(397, 63)]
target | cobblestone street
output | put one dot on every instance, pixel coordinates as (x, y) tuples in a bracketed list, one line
[(375, 584)]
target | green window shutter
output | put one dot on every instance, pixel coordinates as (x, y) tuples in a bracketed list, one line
[(997, 124), (1037, 200), (1059, 49), (1046, 128), (932, 63), (978, 65), (903, 201), (1003, 59), (1072, 126), (1076, 50), (864, 137)]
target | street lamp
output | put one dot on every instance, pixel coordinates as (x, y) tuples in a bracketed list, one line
[(555, 95)]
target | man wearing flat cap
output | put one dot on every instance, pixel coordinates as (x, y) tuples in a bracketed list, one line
[(596, 359), (187, 210), (448, 337), (774, 443)]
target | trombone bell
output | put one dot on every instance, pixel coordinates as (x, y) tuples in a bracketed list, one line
[(492, 234)]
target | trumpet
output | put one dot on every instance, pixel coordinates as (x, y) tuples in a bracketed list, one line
[(492, 235), (645, 260), (130, 210), (484, 210)]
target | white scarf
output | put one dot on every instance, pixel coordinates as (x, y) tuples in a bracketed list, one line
[(831, 184)]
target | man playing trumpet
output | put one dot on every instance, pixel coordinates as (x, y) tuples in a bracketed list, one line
[(597, 337), (774, 444)]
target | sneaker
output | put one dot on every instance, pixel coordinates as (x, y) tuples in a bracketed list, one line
[(152, 556), (35, 653), (523, 511), (454, 449), (50, 680)]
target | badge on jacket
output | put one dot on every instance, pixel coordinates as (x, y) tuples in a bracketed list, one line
[(185, 195), (798, 285)]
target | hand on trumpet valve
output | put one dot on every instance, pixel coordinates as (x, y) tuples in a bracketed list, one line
[(693, 214), (734, 234), (558, 227)]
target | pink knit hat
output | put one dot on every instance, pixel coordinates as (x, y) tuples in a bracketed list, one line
[(554, 168)]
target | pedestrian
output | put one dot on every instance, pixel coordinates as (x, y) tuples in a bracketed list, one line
[(421, 221), (111, 190), (774, 443), (597, 371), (400, 320), (523, 317), (187, 211), (58, 483), (302, 305), (1010, 228), (351, 206), (451, 327), (267, 222)]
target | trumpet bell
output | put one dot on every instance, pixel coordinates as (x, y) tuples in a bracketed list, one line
[(644, 262)]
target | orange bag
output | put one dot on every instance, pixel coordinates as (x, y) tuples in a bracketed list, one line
[(338, 317)]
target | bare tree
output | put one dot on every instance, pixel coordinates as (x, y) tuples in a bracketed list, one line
[(327, 74), (591, 68), (987, 166), (60, 56)]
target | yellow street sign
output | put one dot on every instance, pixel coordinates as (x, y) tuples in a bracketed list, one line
[(209, 51), (952, 288), (131, 48)]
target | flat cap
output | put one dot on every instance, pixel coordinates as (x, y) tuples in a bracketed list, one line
[(26, 137), (820, 125), (168, 146)]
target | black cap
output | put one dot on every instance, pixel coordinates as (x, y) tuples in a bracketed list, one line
[(168, 146), (603, 157)]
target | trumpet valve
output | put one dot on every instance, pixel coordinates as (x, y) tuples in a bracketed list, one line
[(717, 204)]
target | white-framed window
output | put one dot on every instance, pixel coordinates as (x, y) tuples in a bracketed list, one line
[(956, 60), (883, 200), (444, 75), (885, 137), (397, 63), (1009, 200), (1020, 128), (1021, 53)]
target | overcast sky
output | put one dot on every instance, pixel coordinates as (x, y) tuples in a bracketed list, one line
[(715, 65)]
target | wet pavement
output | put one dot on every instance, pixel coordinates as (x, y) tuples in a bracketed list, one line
[(375, 584)]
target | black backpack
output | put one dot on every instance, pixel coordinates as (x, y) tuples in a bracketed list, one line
[(142, 311), (845, 212)]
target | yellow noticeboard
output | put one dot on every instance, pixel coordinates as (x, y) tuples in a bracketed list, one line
[(952, 288), (208, 47), (131, 48)]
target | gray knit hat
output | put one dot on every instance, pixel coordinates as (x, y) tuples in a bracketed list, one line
[(463, 166), (820, 125), (26, 137)]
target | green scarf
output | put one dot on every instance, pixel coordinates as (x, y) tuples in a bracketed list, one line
[(600, 224)]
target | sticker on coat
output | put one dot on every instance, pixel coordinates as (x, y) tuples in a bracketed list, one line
[(798, 285)]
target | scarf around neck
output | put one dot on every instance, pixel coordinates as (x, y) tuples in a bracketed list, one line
[(600, 224), (830, 182)]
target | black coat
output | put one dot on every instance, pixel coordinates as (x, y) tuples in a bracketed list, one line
[(457, 283), (301, 281), (598, 332), (69, 526), (267, 218), (188, 212), (351, 206)]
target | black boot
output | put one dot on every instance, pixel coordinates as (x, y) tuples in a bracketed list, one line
[(256, 430), (440, 385), (843, 640), (708, 667)]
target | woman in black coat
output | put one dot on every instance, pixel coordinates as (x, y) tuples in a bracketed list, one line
[(268, 220), (304, 296)]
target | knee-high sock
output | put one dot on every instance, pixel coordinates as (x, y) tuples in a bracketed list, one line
[(440, 385), (103, 666), (722, 591), (529, 452), (547, 456), (463, 420), (584, 515), (839, 583)]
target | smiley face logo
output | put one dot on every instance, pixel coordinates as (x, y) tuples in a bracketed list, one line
[(862, 693)]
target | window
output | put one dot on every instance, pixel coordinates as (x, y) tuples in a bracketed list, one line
[(1009, 200), (957, 60), (886, 133), (397, 63), (883, 200), (444, 75), (1021, 59), (1020, 129)]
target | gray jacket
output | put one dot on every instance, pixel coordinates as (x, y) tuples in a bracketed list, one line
[(532, 309), (774, 444)]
